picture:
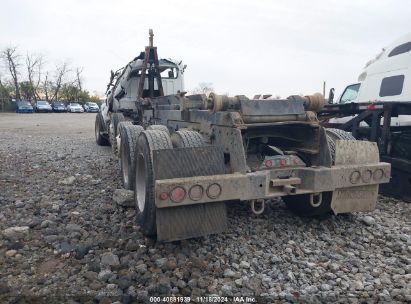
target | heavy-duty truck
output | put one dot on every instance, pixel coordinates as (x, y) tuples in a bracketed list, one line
[(185, 157)]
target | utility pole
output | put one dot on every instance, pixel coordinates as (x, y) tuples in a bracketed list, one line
[(324, 88)]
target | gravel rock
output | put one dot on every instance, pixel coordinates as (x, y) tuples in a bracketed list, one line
[(326, 287), (358, 285), (227, 290), (239, 282), (142, 268), (91, 275), (109, 259), (65, 247), (244, 264), (72, 237), (73, 228), (228, 273), (82, 250), (124, 197), (16, 232), (47, 223), (368, 220), (104, 275), (11, 253), (161, 262), (68, 181)]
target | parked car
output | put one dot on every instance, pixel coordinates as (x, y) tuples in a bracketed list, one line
[(74, 107), (58, 106), (42, 106), (91, 107), (24, 106)]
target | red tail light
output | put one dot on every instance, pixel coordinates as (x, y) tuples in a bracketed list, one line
[(163, 196), (178, 194)]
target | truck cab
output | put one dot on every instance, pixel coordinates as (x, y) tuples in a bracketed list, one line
[(386, 78), (126, 83)]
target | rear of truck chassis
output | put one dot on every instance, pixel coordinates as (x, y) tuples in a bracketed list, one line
[(185, 157), (254, 161)]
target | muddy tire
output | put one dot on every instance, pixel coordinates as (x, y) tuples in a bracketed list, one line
[(144, 194), (99, 131), (116, 118), (129, 134), (186, 138), (159, 128), (336, 134), (120, 126)]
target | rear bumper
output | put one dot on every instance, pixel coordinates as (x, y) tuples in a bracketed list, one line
[(274, 183)]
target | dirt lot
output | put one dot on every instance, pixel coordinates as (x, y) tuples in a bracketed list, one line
[(63, 239)]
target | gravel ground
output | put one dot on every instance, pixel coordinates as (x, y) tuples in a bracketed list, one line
[(64, 239)]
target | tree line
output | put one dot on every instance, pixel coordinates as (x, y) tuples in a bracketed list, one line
[(30, 77)]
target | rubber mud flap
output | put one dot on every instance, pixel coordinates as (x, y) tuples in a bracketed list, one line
[(355, 199), (189, 221)]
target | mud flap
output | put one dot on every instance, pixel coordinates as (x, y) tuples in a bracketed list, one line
[(355, 199), (190, 221)]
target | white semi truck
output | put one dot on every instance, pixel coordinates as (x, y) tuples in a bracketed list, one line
[(378, 108), (386, 78)]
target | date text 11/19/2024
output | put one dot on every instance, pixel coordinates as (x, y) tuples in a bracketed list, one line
[(202, 299)]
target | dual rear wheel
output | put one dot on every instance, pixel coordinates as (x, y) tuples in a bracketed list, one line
[(136, 159), (100, 131)]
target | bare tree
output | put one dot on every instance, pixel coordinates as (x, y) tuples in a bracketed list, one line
[(34, 65), (204, 88), (78, 81), (12, 60), (61, 71), (79, 78), (46, 86)]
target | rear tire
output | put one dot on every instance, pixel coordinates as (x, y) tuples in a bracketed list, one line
[(144, 193), (186, 138), (336, 134), (159, 128), (121, 125), (129, 135), (116, 118), (99, 130)]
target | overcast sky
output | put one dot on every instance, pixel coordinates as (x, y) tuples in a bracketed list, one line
[(241, 47)]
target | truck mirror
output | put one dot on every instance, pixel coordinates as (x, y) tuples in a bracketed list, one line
[(331, 96)]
